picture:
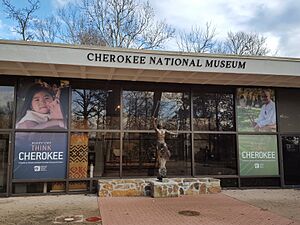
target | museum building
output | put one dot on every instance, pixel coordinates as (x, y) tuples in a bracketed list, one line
[(72, 115)]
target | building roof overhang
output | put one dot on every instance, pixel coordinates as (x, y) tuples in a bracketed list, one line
[(86, 62)]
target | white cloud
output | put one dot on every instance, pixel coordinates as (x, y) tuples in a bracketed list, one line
[(289, 43), (5, 31), (275, 19), (60, 3), (273, 42)]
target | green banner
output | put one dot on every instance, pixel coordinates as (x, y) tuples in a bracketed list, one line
[(258, 155)]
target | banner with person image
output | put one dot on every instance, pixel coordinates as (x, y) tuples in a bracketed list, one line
[(256, 110), (42, 104)]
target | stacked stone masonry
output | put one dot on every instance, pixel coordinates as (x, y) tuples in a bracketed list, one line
[(169, 187)]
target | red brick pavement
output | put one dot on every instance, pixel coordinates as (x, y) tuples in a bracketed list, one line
[(214, 209)]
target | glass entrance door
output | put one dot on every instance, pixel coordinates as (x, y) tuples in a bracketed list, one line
[(291, 159), (4, 147)]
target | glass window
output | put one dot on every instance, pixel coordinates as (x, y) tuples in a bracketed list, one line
[(140, 156), (79, 186), (22, 188), (104, 154), (289, 110), (256, 110), (137, 110), (213, 112), (171, 108), (291, 159), (180, 147), (215, 154), (95, 109), (46, 187), (260, 182), (94, 154), (6, 106), (4, 143)]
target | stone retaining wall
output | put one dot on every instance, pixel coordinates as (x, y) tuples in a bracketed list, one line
[(170, 187)]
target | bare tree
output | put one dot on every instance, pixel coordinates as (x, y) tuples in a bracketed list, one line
[(243, 43), (197, 40), (127, 23), (23, 17), (239, 43), (76, 28), (116, 23), (46, 30)]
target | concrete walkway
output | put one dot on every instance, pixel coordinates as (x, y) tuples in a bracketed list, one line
[(212, 209), (284, 202), (255, 206)]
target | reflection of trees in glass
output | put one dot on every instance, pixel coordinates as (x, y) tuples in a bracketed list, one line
[(213, 111), (6, 106), (171, 108), (225, 112), (137, 110), (139, 154), (104, 146), (291, 143), (94, 109), (141, 158), (174, 110), (139, 147), (215, 154)]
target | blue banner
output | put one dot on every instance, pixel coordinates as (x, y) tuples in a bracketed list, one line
[(40, 155)]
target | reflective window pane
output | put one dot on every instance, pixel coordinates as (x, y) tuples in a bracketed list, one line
[(6, 106), (174, 110), (137, 110), (95, 109), (289, 110), (104, 154), (22, 188), (94, 154), (140, 155), (4, 144), (46, 187), (213, 112), (78, 186), (215, 154), (171, 108), (180, 160), (291, 159)]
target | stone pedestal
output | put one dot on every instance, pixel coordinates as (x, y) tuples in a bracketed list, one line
[(164, 188), (123, 187), (168, 187)]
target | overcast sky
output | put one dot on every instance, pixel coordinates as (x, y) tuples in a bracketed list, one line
[(278, 20)]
